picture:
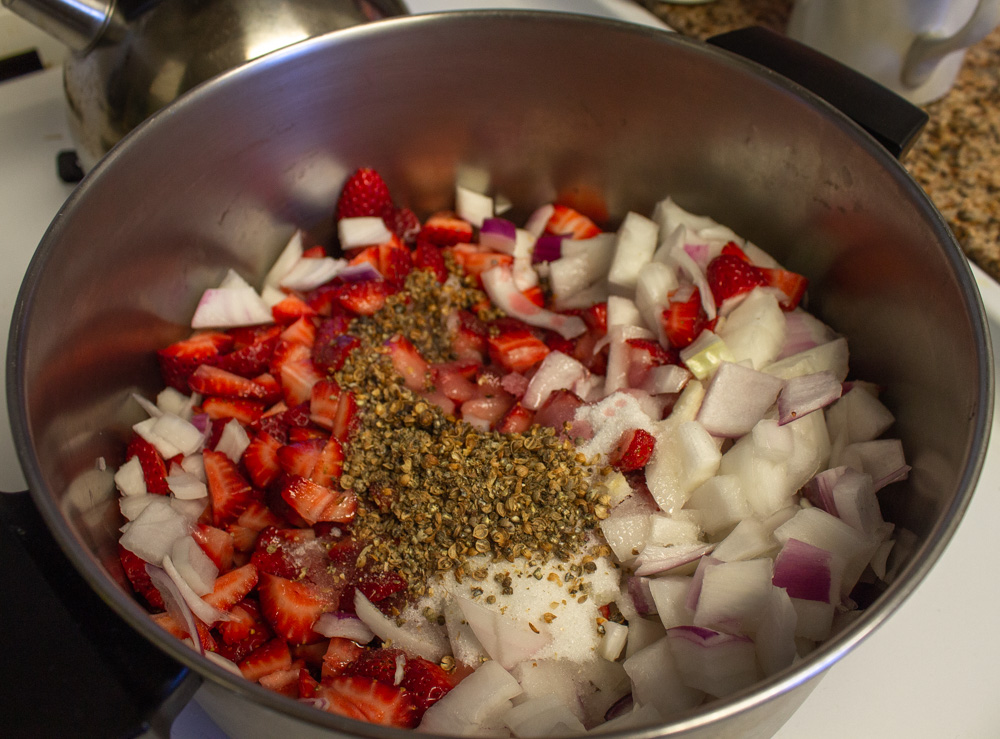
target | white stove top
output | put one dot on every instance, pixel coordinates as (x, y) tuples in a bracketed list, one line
[(928, 673)]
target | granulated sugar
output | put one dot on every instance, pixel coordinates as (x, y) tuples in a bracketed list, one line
[(609, 419)]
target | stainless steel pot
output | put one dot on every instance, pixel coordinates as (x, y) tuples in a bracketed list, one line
[(544, 105)]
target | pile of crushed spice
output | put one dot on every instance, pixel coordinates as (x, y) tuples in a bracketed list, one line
[(433, 491)]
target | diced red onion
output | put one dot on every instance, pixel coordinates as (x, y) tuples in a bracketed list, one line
[(712, 661), (854, 497), (548, 248), (807, 393), (498, 234), (805, 571), (696, 580), (736, 399), (621, 707), (819, 490), (653, 560), (361, 272), (700, 253), (557, 371), (538, 220), (499, 285), (310, 273), (202, 609), (345, 625), (642, 598), (514, 383), (176, 606)]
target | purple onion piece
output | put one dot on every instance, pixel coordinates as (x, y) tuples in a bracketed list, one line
[(620, 707), (807, 393), (548, 248), (363, 272), (498, 234), (642, 598), (804, 571), (819, 490)]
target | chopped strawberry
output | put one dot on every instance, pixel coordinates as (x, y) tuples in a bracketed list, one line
[(516, 350), (330, 354), (596, 317), (154, 469), (330, 463), (229, 492), (181, 358), (407, 361), (446, 229), (392, 260), (426, 683), (217, 544), (535, 295), (369, 700), (293, 366), (728, 276), (362, 298), (404, 223), (428, 256), (381, 663), (469, 336), (252, 353), (633, 450), (178, 630), (314, 252), (209, 380), (474, 261), (285, 682), (377, 585), (261, 459), (455, 379), (246, 627), (791, 284), (258, 517), (244, 411), (265, 659), (290, 309), (315, 502), (517, 420), (566, 221), (308, 685), (135, 570), (364, 194), (270, 384), (288, 553), (683, 320), (346, 419), (486, 411), (232, 587), (324, 404), (301, 331), (558, 410), (299, 458), (340, 653), (291, 608), (733, 249)]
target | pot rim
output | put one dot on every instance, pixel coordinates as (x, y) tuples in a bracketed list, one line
[(804, 671)]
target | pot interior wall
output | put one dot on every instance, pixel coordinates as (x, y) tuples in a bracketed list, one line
[(540, 108)]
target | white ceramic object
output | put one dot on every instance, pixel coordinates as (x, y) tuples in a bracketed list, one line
[(914, 47)]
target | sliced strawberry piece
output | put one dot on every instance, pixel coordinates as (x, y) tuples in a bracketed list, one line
[(229, 492), (426, 683), (154, 469), (404, 223), (299, 458), (232, 587), (474, 261), (135, 570), (330, 463), (181, 358), (380, 663), (364, 194), (517, 420), (428, 256), (516, 349), (178, 630), (288, 553), (291, 309), (791, 285), (272, 656), (340, 653), (246, 627), (270, 384), (566, 221), (253, 350), (217, 544), (446, 229), (308, 685), (224, 409), (291, 608), (301, 331), (558, 410), (362, 298), (258, 517), (346, 419), (729, 276), (733, 249), (324, 403), (261, 459), (315, 502), (209, 380), (294, 368), (468, 340), (285, 682), (455, 379), (314, 252), (329, 355), (633, 450), (395, 265), (376, 702), (407, 361), (683, 320)]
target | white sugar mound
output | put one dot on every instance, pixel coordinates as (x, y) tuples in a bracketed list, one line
[(609, 419)]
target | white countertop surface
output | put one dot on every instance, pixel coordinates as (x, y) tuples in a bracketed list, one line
[(928, 673)]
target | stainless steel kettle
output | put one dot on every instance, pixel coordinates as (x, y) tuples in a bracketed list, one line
[(132, 57)]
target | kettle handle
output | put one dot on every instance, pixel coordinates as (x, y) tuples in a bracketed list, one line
[(63, 640), (928, 48), (891, 120)]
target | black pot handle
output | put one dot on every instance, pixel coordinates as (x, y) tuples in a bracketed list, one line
[(71, 665), (893, 121)]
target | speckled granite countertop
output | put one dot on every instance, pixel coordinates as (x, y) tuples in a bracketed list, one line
[(957, 157)]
